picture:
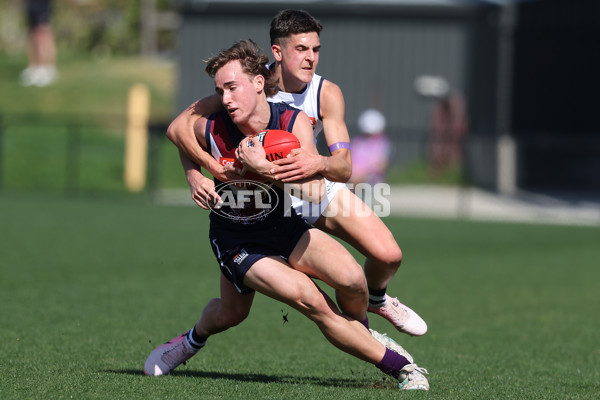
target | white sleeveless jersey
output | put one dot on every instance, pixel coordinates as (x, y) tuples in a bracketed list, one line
[(307, 101)]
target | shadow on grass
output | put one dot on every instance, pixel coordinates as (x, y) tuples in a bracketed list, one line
[(359, 383)]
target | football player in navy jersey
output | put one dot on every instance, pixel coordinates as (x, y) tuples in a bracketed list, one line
[(277, 254), (296, 46)]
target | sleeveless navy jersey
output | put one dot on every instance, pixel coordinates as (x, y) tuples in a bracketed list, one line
[(255, 205)]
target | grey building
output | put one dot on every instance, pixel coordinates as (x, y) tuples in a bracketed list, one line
[(376, 50)]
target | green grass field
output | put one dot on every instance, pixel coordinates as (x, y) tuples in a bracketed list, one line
[(88, 287), (94, 89)]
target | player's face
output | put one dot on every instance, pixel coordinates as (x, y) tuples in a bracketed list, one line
[(238, 91), (299, 56)]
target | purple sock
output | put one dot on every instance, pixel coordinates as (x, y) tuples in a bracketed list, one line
[(392, 363), (366, 322)]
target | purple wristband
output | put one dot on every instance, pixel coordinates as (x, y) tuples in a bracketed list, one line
[(339, 145)]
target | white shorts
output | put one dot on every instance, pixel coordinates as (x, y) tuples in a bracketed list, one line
[(311, 211)]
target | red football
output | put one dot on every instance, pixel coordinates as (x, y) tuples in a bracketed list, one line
[(278, 143)]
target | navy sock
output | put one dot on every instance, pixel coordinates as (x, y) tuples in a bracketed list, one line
[(392, 363), (194, 340), (377, 297)]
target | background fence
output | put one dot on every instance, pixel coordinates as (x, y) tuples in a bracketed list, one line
[(81, 154), (75, 154)]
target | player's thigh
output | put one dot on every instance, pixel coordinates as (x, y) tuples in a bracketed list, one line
[(233, 303), (321, 256), (351, 220), (275, 278)]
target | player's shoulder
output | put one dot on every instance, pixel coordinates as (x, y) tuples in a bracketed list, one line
[(324, 83), (330, 89), (331, 96)]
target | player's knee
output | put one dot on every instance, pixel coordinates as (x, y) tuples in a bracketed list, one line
[(389, 256), (310, 301), (395, 257), (353, 282)]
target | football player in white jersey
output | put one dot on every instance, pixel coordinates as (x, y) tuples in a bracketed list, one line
[(295, 44)]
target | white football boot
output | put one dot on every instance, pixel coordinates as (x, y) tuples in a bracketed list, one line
[(403, 318), (166, 357), (412, 377)]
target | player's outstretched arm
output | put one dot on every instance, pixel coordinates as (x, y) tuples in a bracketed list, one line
[(208, 162), (339, 164), (186, 132), (202, 188), (337, 167), (182, 132), (181, 129)]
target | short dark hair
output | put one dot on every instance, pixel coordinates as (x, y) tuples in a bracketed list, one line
[(254, 62), (291, 22)]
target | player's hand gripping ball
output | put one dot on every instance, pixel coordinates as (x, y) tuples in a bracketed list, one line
[(277, 144)]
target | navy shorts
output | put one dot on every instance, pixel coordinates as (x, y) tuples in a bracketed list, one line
[(237, 251), (38, 12)]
